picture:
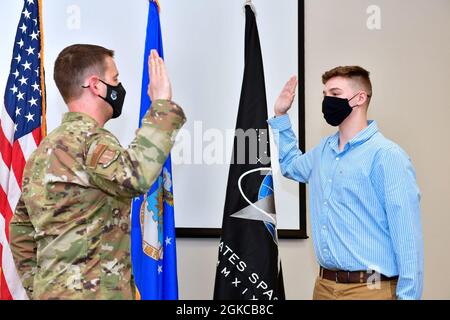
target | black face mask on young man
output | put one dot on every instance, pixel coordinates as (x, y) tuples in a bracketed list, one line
[(335, 110), (115, 97)]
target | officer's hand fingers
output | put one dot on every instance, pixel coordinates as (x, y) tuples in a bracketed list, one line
[(162, 68), (159, 66), (152, 65)]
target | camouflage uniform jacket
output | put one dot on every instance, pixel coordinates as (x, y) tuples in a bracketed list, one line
[(70, 234)]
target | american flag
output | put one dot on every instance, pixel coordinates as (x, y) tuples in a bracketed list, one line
[(21, 129)]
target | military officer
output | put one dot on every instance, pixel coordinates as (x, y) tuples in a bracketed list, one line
[(70, 234)]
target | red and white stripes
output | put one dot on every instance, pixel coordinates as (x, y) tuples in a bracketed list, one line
[(14, 155)]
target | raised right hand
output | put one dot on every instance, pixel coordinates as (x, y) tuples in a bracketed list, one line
[(159, 86), (287, 95)]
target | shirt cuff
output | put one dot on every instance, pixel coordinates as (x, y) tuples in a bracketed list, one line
[(165, 115), (280, 123)]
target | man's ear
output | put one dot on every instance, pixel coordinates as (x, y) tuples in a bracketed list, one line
[(362, 98), (93, 84)]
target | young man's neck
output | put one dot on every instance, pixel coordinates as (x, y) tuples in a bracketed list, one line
[(350, 128)]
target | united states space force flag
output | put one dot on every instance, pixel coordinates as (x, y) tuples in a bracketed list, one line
[(249, 267)]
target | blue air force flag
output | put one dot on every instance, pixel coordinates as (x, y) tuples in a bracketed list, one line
[(153, 250)]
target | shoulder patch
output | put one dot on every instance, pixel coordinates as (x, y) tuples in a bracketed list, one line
[(98, 152), (108, 156), (103, 156)]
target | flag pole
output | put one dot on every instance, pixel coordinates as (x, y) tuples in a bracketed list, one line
[(43, 102)]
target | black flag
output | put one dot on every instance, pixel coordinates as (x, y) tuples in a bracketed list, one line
[(248, 265)]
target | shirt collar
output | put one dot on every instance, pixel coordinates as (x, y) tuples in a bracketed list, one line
[(360, 138), (79, 116), (365, 134)]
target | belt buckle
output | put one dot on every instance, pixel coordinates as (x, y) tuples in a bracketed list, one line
[(337, 276)]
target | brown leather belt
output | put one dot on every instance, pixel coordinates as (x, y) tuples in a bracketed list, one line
[(353, 276)]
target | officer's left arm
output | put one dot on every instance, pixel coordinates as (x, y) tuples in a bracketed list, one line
[(400, 196), (23, 246)]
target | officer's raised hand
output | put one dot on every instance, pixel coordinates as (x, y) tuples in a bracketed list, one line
[(159, 87)]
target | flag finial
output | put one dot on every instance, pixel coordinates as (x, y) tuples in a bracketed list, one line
[(251, 5), (157, 4)]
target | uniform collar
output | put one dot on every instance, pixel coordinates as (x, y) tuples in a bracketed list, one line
[(79, 116)]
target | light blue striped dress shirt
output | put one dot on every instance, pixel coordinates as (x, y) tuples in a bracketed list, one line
[(364, 203)]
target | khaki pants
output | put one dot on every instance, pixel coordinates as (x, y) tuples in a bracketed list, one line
[(330, 290)]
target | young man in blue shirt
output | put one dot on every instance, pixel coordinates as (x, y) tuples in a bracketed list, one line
[(364, 200)]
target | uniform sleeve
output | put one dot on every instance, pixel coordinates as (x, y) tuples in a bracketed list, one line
[(23, 246), (132, 171), (294, 164)]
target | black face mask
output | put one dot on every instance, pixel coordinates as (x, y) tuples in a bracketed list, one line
[(335, 110), (115, 97)]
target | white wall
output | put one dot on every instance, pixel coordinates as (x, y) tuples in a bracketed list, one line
[(408, 58)]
